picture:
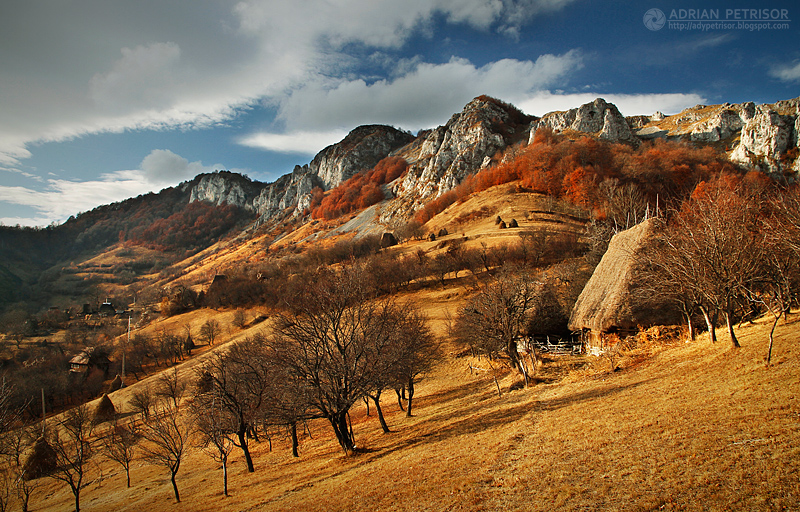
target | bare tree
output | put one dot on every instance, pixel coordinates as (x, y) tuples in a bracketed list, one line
[(717, 237), (216, 430), (171, 387), (120, 443), (780, 276), (71, 441), (419, 349), (493, 320), (16, 442), (209, 331), (142, 400), (6, 486), (237, 383), (334, 341), (168, 436), (10, 413)]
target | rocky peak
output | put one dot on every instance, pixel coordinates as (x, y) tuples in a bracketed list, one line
[(224, 187), (761, 137), (765, 138), (360, 150), (599, 118), (462, 146)]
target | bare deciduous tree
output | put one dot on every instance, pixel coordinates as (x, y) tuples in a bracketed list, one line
[(142, 400), (120, 443), (237, 381), (715, 246), (168, 436), (71, 441), (209, 331), (171, 387), (216, 430), (336, 341), (493, 320)]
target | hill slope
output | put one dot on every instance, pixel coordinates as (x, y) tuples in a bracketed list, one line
[(694, 426)]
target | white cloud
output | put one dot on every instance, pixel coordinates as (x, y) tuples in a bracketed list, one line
[(628, 104), (424, 96), (162, 166), (106, 68), (787, 72), (144, 77), (302, 142)]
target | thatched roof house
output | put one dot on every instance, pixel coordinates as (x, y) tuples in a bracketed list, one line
[(607, 304)]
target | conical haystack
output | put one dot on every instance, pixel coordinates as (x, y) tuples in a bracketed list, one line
[(105, 410), (115, 384), (38, 460)]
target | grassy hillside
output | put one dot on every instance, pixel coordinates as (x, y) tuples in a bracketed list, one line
[(688, 426)]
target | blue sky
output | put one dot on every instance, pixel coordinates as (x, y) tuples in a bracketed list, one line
[(101, 100)]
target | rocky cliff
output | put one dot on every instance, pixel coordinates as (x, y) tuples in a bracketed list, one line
[(598, 118), (359, 151), (764, 137), (440, 158)]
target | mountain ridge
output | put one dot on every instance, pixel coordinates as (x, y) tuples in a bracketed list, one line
[(759, 137), (762, 137)]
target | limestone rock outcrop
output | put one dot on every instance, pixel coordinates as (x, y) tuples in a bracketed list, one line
[(441, 158), (766, 139), (599, 118), (225, 188), (363, 147)]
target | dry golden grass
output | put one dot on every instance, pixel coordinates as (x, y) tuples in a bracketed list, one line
[(695, 426)]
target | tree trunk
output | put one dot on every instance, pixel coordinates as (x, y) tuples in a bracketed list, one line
[(729, 322), (710, 323), (771, 339), (524, 369), (225, 475), (175, 487), (511, 350), (294, 440), (243, 445), (343, 435), (377, 401), (690, 325), (400, 398), (410, 395), (128, 475), (77, 493)]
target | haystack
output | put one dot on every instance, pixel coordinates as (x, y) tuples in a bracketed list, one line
[(607, 303), (104, 411), (115, 384), (38, 460)]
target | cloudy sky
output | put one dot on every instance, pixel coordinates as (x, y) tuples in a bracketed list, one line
[(101, 100)]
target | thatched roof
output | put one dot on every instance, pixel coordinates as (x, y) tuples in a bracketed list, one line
[(607, 302)]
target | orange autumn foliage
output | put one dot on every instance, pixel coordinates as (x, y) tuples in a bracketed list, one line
[(573, 170), (360, 191)]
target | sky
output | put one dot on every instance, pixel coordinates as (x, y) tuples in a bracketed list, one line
[(101, 100)]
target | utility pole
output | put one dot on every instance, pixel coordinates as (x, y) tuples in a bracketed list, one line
[(44, 414)]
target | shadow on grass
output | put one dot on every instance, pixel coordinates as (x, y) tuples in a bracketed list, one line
[(471, 419)]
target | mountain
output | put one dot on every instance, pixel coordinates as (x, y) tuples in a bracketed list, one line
[(762, 137), (192, 216)]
